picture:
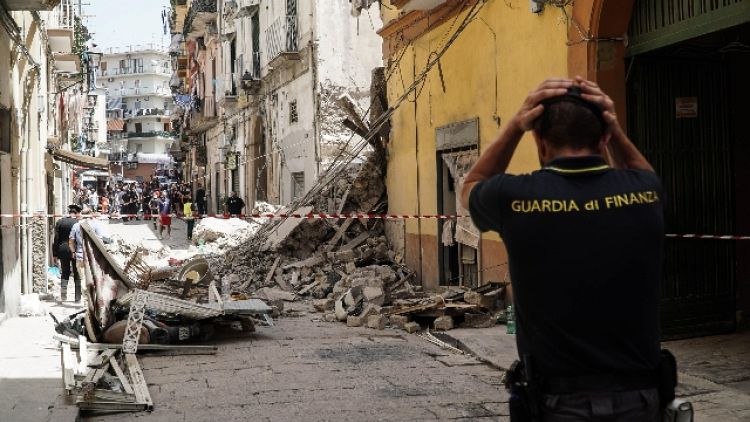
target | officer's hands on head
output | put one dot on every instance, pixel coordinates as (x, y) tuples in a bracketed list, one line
[(532, 107)]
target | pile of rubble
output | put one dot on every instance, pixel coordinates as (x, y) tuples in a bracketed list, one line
[(346, 265)]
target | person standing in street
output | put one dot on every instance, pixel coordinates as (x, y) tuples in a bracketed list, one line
[(235, 204), (200, 200), (75, 244), (153, 206), (165, 219), (189, 211), (585, 250), (62, 253)]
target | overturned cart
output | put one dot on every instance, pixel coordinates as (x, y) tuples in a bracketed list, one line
[(123, 317)]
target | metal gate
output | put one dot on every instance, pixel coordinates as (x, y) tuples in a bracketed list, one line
[(678, 117)]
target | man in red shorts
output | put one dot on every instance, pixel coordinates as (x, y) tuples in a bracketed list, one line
[(164, 217)]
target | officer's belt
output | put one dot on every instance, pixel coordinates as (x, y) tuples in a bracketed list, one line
[(600, 383)]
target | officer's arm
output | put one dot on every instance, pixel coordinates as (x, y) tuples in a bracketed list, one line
[(496, 158)]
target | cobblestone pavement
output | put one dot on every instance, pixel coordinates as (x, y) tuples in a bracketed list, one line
[(306, 370)]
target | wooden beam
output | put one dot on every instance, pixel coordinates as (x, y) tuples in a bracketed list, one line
[(138, 381), (100, 246), (120, 375)]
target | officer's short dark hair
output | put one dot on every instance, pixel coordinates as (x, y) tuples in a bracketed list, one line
[(567, 124)]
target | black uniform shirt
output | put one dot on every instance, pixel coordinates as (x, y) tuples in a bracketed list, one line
[(60, 247), (584, 246), (235, 204)]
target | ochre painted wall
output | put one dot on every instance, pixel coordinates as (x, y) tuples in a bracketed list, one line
[(487, 73)]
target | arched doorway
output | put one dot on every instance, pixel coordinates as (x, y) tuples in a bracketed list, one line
[(676, 82)]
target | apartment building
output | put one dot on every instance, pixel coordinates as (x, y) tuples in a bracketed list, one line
[(44, 100), (260, 82), (139, 103)]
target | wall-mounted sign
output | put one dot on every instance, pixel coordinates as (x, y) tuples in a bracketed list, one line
[(231, 161), (686, 107)]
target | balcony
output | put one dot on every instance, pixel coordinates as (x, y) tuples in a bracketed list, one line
[(60, 40), (282, 41), (201, 14), (122, 157), (145, 92), (135, 70), (227, 90), (135, 48), (146, 112), (30, 5), (151, 134), (62, 16)]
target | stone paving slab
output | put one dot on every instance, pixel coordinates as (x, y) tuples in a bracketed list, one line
[(714, 371), (306, 370), (30, 369)]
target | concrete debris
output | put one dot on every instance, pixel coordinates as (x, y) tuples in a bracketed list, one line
[(273, 294), (411, 327), (478, 321), (355, 321), (398, 321), (377, 322), (443, 323), (346, 266)]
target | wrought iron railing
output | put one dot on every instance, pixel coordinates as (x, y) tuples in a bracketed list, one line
[(282, 36), (151, 134)]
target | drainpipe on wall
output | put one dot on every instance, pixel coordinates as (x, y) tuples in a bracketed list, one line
[(315, 95)]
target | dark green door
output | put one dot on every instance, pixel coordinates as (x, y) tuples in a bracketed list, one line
[(678, 116)]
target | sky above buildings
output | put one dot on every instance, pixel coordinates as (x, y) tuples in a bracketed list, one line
[(119, 23)]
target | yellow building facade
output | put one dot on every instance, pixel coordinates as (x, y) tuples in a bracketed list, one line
[(463, 103)]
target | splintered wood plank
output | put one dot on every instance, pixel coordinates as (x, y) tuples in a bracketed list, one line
[(91, 380), (121, 375), (101, 359), (138, 381), (339, 233)]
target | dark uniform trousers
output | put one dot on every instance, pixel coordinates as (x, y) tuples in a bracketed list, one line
[(637, 405), (68, 266)]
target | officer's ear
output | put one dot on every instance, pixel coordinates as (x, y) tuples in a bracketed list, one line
[(541, 147), (603, 143)]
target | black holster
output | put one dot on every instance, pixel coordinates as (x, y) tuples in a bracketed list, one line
[(667, 377), (524, 390)]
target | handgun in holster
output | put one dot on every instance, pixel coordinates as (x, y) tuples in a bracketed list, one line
[(524, 389), (673, 410)]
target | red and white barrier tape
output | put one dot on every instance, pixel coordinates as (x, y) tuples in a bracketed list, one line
[(342, 216), (707, 236), (310, 216)]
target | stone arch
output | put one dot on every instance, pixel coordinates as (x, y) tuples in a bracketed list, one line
[(597, 49)]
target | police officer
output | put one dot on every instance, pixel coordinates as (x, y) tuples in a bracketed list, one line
[(584, 239), (235, 204), (62, 253)]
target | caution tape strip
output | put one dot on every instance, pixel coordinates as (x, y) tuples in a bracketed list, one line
[(309, 216), (341, 216), (707, 236)]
